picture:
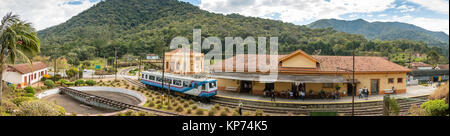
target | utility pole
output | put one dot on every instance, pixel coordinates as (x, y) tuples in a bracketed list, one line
[(353, 85), (115, 57), (139, 70), (56, 57)]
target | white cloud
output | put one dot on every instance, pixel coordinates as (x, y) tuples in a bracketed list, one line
[(426, 23), (296, 10), (43, 13), (441, 6), (405, 8)]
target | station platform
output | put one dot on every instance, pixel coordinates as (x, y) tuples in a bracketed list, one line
[(412, 91)]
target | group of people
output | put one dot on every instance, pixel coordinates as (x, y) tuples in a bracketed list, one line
[(363, 93), (288, 94)]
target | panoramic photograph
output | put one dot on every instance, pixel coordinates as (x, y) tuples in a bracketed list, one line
[(192, 58)]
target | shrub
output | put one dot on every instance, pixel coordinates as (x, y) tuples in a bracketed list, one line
[(169, 107), (186, 105), (62, 81), (40, 108), (179, 109), (79, 82), (20, 100), (391, 107), (30, 89), (212, 112), (227, 109), (91, 82), (435, 108), (151, 104), (236, 114), (194, 107), (415, 110), (159, 106), (441, 93), (72, 72), (57, 77), (189, 111), (43, 79), (8, 106), (69, 83), (29, 95), (217, 106), (49, 83), (259, 113), (199, 112), (191, 102), (223, 113)]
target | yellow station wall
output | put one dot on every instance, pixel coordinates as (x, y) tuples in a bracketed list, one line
[(364, 79), (300, 61)]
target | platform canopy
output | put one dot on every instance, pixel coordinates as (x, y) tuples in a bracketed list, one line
[(266, 78)]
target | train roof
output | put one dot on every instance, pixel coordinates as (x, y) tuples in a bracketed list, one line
[(192, 77)]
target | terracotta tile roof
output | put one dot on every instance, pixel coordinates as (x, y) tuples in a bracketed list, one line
[(443, 66), (362, 64), (328, 64), (420, 64), (26, 68), (246, 58), (179, 50)]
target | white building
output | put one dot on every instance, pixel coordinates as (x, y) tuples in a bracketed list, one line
[(23, 74)]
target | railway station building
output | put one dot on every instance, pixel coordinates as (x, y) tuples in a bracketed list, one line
[(313, 74)]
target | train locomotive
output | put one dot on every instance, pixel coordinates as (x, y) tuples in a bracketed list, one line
[(189, 87)]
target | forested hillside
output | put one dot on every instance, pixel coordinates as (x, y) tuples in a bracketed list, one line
[(384, 30), (138, 27)]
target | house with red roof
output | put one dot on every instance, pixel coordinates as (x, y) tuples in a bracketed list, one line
[(25, 74)]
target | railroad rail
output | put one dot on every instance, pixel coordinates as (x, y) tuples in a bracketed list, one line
[(368, 108), (113, 103)]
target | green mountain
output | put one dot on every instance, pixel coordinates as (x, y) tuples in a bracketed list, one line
[(384, 30), (137, 27)]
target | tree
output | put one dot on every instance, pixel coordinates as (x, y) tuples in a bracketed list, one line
[(72, 72), (433, 57), (18, 39)]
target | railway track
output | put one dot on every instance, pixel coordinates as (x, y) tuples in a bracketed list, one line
[(372, 108), (113, 103)]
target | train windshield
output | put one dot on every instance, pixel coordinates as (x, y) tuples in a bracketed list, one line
[(212, 85)]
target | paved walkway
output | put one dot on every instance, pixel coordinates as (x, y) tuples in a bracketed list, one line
[(411, 92)]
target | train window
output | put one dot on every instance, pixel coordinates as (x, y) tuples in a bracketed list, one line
[(167, 80), (146, 77), (203, 87), (187, 84), (177, 82), (143, 75), (152, 78), (212, 85), (159, 79)]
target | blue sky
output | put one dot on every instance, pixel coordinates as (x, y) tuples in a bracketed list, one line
[(429, 14)]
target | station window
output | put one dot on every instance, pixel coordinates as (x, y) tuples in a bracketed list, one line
[(328, 85), (391, 80), (399, 80)]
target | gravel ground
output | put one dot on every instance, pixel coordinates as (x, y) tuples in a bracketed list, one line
[(74, 106)]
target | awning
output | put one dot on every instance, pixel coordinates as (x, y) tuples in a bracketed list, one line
[(267, 78)]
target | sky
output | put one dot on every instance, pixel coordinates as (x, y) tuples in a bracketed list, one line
[(429, 14)]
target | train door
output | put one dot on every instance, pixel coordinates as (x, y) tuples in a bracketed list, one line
[(374, 86), (246, 87)]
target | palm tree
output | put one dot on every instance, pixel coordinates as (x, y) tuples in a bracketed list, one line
[(18, 39)]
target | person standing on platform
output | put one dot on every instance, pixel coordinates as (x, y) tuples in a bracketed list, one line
[(240, 107), (302, 95), (272, 94), (360, 93)]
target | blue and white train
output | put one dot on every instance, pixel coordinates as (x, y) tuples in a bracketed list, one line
[(196, 88)]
